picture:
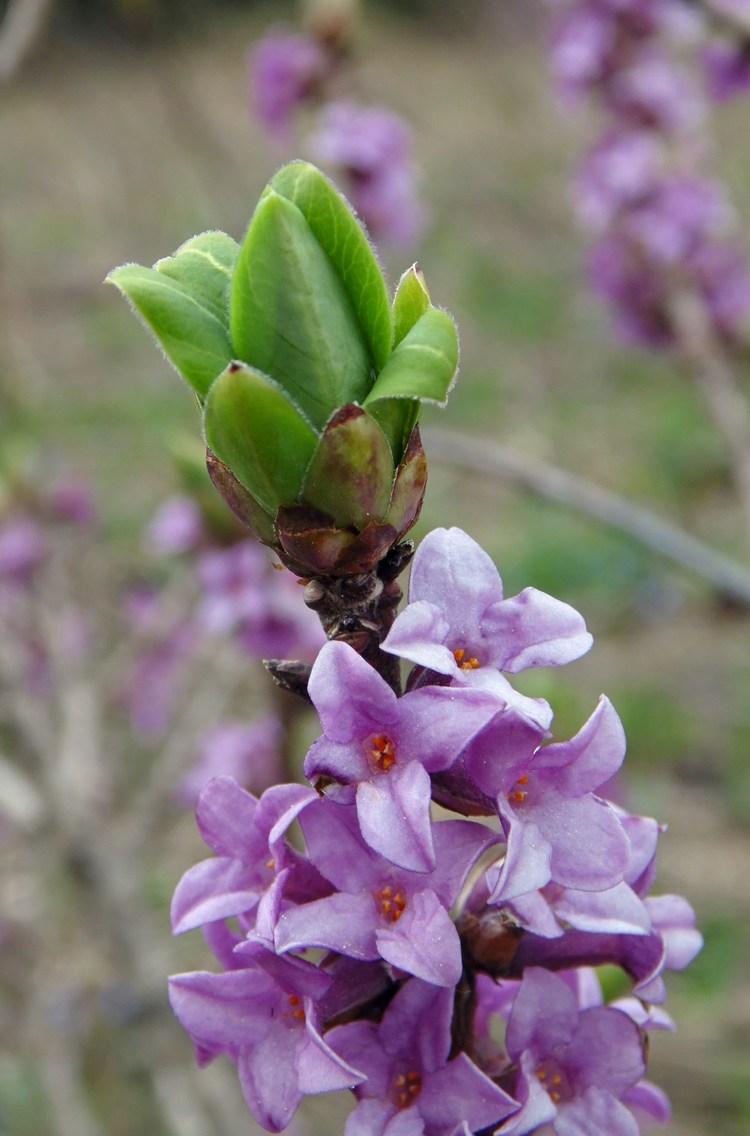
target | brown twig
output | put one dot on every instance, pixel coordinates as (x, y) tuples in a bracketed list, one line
[(725, 575)]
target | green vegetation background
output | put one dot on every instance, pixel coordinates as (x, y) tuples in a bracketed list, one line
[(117, 149)]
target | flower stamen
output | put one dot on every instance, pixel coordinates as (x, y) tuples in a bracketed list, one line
[(470, 664), (406, 1088), (383, 753), (518, 796), (391, 903)]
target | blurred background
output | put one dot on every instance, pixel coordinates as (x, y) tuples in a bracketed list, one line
[(126, 130)]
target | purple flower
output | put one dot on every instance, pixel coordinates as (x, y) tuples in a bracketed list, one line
[(252, 861), (23, 547), (264, 1018), (722, 276), (652, 92), (156, 679), (71, 501), (412, 1088), (246, 751), (573, 1065), (243, 595), (285, 71), (680, 214), (618, 173), (583, 44), (727, 67), (556, 828), (380, 910), (638, 295), (380, 749), (176, 527), (372, 148), (458, 620)]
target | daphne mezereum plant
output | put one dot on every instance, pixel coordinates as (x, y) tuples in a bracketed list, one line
[(444, 970)]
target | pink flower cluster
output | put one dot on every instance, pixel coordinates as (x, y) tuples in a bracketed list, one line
[(662, 227), (441, 969)]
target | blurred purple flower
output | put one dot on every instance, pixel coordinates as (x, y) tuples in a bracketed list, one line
[(242, 594), (245, 751), (154, 684), (679, 215), (372, 149), (23, 547), (583, 45), (722, 275), (176, 527), (618, 172), (284, 72), (653, 92), (71, 500), (637, 294), (727, 67)]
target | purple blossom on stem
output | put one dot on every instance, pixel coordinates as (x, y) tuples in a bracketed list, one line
[(574, 1066), (380, 749), (430, 928), (412, 1088), (247, 836), (556, 828), (378, 909), (265, 1020), (458, 621)]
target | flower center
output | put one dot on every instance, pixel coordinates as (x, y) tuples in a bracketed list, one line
[(391, 902), (406, 1088), (551, 1077), (382, 753), (295, 1008), (466, 664), (518, 796)]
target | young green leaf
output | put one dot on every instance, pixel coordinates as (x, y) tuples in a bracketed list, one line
[(191, 334), (252, 426), (345, 242), (410, 302), (291, 316), (205, 265), (423, 365)]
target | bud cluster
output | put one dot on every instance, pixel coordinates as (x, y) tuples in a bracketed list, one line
[(309, 380), (439, 968)]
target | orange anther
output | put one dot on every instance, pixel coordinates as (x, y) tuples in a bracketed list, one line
[(383, 753), (522, 780)]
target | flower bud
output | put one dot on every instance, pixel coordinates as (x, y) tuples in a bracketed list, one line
[(311, 383)]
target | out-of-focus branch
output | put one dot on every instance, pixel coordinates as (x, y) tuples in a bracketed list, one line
[(725, 575), (19, 31), (725, 401)]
